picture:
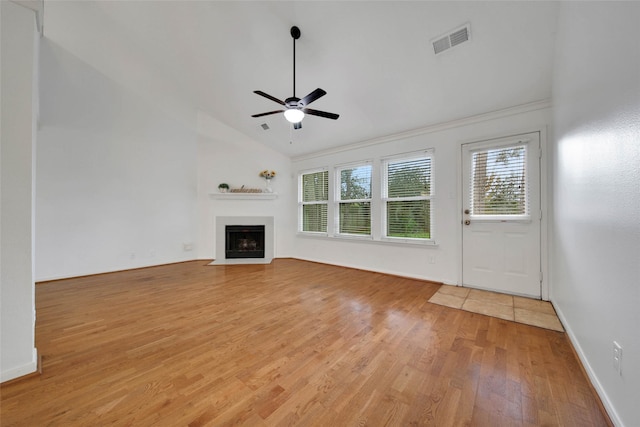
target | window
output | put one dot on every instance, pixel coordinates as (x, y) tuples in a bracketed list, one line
[(354, 200), (407, 192), (498, 182), (384, 200), (313, 199)]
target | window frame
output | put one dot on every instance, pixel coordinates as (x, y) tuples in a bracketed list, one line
[(302, 203), (338, 201), (385, 199), (514, 218)]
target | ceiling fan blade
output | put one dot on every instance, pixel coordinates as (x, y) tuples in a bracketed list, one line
[(266, 114), (266, 95), (324, 114), (297, 125), (312, 96)]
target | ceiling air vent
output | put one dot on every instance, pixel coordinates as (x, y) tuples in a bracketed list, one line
[(453, 38), (265, 126)]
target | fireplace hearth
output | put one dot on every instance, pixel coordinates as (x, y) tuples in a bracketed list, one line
[(244, 241)]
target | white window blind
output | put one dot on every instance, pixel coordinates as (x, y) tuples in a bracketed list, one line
[(499, 181), (314, 196), (407, 197), (354, 200)]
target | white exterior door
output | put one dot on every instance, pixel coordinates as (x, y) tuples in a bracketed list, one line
[(501, 215)]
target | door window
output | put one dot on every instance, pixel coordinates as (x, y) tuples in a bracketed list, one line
[(498, 188)]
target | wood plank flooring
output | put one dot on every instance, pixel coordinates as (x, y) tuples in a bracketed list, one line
[(289, 343)]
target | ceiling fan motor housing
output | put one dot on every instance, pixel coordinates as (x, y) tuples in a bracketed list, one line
[(294, 102)]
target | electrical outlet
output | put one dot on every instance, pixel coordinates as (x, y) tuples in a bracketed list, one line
[(617, 357), (187, 247)]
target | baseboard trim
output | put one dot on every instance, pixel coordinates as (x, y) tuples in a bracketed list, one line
[(27, 370), (390, 273), (598, 391), (142, 267)]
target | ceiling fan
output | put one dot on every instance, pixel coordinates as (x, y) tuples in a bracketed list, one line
[(296, 108)]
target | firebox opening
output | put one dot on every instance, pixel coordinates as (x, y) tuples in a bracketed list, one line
[(244, 241)]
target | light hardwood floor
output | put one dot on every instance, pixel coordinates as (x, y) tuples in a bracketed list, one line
[(290, 343)]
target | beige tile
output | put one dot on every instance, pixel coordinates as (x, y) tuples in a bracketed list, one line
[(493, 309), (447, 300), (542, 320), (533, 305), (454, 290), (523, 310), (492, 297)]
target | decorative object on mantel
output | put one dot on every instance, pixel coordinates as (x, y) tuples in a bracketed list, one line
[(268, 176), (246, 190), (223, 188)]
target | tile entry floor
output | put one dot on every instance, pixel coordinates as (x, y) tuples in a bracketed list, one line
[(508, 307)]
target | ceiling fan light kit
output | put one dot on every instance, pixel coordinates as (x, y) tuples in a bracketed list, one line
[(293, 115), (296, 108)]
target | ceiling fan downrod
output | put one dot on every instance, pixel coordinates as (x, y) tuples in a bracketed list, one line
[(295, 33)]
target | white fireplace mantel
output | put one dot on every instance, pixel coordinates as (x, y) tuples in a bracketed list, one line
[(244, 196)]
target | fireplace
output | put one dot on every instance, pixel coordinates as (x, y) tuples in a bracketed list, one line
[(244, 241), (247, 247)]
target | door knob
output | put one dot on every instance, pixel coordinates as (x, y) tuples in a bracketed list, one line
[(466, 212), (467, 222)]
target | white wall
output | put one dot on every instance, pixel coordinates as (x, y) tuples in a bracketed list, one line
[(596, 238), (125, 164), (19, 38), (116, 175), (446, 139), (224, 155)]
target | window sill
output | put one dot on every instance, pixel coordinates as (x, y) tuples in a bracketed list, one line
[(368, 239), (401, 241)]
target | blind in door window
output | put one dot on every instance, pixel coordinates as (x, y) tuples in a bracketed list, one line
[(499, 181)]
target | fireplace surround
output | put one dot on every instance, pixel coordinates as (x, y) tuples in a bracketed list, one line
[(244, 253)]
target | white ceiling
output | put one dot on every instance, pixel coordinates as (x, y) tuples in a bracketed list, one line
[(374, 59)]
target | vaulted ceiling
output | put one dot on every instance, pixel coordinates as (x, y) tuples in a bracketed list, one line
[(375, 60)]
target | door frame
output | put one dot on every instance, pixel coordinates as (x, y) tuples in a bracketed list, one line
[(544, 200)]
